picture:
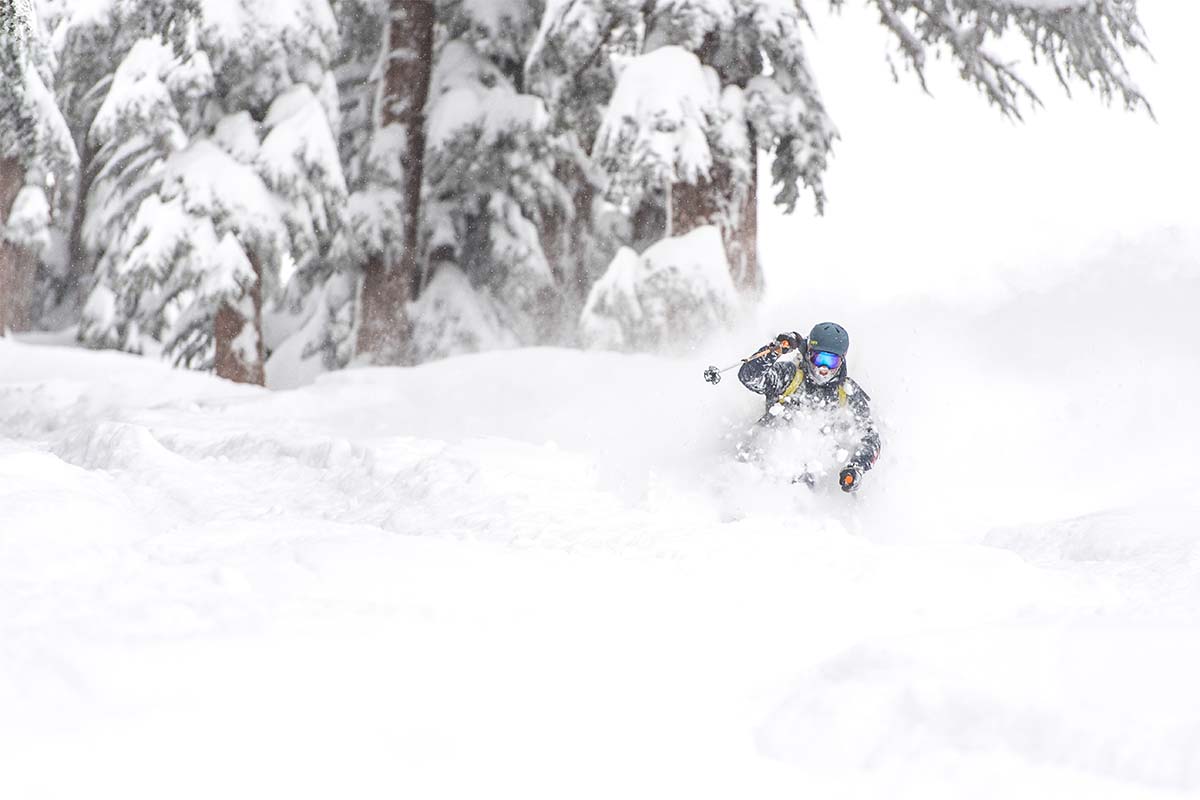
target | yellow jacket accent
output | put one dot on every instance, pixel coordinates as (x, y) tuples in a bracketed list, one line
[(798, 379)]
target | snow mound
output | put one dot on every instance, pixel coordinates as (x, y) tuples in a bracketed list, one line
[(451, 318), (113, 445), (1146, 557), (1169, 533), (996, 708), (676, 292), (539, 562)]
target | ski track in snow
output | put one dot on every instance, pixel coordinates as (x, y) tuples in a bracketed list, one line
[(492, 577)]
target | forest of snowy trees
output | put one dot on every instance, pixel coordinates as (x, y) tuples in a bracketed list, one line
[(222, 183)]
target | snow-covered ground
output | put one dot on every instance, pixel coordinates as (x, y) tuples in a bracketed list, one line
[(538, 574)]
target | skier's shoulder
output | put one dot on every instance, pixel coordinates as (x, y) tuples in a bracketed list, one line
[(789, 366), (853, 390)]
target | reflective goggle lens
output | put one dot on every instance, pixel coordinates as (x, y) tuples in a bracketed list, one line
[(823, 359)]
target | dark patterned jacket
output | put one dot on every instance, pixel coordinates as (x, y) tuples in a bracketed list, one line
[(789, 390)]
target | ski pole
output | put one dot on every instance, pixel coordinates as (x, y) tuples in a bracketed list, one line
[(713, 374)]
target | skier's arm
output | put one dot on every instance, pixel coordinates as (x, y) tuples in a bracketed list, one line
[(767, 374), (869, 443)]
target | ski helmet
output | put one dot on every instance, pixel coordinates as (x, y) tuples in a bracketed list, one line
[(829, 337)]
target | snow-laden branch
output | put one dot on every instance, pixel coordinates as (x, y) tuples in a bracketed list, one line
[(655, 131), (1082, 40)]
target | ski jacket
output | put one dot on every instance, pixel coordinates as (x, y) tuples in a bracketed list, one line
[(773, 375)]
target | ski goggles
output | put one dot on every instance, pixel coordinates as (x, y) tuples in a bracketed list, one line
[(820, 358)]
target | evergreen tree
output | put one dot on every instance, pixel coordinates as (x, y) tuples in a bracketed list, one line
[(490, 182), (132, 133), (220, 158), (386, 209), (570, 67), (37, 162), (321, 310), (92, 39), (429, 177), (702, 86)]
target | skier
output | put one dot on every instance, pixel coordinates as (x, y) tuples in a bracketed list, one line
[(806, 378)]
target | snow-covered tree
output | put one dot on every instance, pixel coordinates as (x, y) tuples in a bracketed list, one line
[(219, 165), (37, 162), (385, 207), (321, 309), (319, 178), (490, 181), (574, 75), (701, 87), (91, 40), (132, 133)]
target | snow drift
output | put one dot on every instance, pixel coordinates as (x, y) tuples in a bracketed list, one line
[(538, 573)]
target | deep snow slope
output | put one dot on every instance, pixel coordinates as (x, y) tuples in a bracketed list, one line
[(537, 574)]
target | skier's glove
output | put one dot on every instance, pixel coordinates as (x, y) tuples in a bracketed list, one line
[(849, 478), (785, 342)]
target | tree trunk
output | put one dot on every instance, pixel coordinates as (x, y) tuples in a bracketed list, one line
[(697, 204), (722, 201), (239, 352), (16, 264), (383, 327), (77, 281), (387, 287)]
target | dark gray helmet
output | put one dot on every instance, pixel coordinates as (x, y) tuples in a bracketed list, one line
[(829, 337)]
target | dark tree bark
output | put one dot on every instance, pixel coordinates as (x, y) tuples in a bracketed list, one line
[(693, 205), (387, 287), (230, 361), (76, 284), (16, 263), (734, 209)]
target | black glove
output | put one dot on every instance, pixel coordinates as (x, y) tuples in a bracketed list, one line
[(849, 478), (785, 342)]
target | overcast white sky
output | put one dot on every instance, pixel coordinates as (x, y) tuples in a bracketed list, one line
[(941, 195)]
